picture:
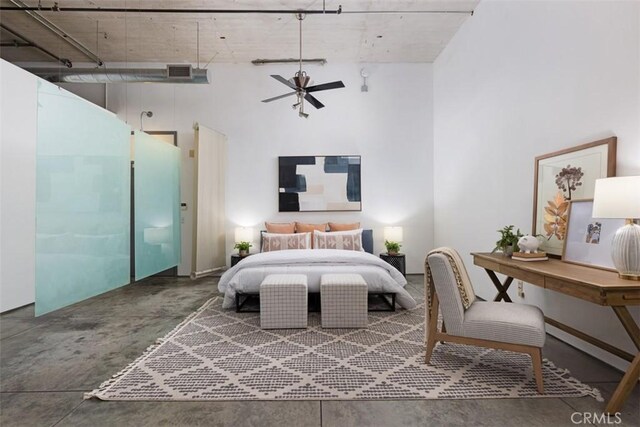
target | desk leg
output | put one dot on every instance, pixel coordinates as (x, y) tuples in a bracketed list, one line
[(501, 287), (629, 324), (630, 378)]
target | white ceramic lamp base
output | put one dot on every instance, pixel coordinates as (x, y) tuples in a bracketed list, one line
[(625, 251)]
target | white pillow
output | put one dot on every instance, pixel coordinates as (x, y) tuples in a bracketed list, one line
[(279, 242), (348, 240)]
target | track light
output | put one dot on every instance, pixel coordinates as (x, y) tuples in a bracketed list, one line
[(302, 114)]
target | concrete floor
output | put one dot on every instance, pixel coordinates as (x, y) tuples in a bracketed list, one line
[(46, 364)]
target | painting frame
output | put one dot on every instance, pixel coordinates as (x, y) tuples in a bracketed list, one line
[(602, 152), (320, 183), (579, 245)]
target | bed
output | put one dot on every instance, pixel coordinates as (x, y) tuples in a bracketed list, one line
[(246, 276)]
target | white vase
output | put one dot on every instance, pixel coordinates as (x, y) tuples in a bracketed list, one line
[(625, 251)]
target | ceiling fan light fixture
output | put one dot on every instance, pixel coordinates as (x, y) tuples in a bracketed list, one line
[(301, 83)]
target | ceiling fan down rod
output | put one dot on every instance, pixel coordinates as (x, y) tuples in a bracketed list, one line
[(57, 8)]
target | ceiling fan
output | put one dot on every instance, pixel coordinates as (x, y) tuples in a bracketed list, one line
[(299, 84)]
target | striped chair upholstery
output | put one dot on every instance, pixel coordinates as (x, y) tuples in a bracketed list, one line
[(343, 301), (507, 326), (283, 301)]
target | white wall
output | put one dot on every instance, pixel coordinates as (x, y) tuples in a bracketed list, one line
[(390, 127), (520, 79), (92, 92), (18, 124)]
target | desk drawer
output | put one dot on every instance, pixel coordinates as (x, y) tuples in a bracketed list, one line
[(623, 298), (584, 292), (516, 273)]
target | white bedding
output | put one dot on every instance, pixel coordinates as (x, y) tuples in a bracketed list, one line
[(247, 275)]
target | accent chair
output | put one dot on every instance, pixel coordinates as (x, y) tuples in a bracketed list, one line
[(499, 325)]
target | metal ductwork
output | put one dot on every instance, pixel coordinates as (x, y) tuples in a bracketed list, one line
[(123, 75)]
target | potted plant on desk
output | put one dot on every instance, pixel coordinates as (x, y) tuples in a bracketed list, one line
[(508, 242), (243, 248)]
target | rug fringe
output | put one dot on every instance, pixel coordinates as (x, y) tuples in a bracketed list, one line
[(565, 374), (106, 384)]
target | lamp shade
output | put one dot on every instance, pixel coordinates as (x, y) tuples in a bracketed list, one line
[(244, 234), (393, 234), (617, 197)]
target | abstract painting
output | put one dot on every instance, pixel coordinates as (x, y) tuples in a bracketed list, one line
[(319, 183), (564, 176)]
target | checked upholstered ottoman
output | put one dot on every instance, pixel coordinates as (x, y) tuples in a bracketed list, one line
[(283, 301), (343, 301)]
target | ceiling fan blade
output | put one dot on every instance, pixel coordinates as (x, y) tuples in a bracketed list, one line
[(325, 86), (283, 81), (313, 101), (278, 97)]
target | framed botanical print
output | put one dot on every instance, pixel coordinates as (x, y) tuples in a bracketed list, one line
[(563, 176)]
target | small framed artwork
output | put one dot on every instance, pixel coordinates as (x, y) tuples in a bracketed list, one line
[(588, 239), (319, 183), (561, 177)]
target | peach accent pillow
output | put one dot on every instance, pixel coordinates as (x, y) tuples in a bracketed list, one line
[(336, 226), (302, 227), (346, 240), (280, 242), (280, 228)]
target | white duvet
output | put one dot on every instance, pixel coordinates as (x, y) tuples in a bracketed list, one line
[(247, 275)]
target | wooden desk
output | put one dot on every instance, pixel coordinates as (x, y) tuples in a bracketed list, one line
[(590, 284)]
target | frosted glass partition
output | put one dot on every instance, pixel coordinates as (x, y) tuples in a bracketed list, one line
[(156, 182), (83, 190)]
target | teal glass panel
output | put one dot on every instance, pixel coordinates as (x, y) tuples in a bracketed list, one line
[(156, 183), (83, 190)]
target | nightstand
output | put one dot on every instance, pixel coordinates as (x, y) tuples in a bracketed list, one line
[(235, 258), (397, 260)]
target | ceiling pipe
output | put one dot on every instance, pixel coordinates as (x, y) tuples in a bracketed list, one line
[(321, 61), (323, 11), (57, 8), (33, 12), (116, 75), (29, 43)]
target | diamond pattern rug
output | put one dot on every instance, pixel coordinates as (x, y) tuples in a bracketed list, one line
[(218, 354)]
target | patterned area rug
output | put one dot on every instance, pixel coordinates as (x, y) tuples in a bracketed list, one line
[(218, 354)]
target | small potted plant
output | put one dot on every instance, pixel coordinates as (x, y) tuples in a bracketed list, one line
[(243, 248), (508, 242), (392, 247)]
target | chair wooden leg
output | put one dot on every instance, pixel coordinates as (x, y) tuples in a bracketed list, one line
[(536, 358), (432, 328)]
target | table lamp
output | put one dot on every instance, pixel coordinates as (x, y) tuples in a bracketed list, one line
[(244, 234), (393, 234), (392, 239), (619, 197), (243, 239)]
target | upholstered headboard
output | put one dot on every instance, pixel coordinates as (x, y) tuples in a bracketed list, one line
[(367, 240)]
